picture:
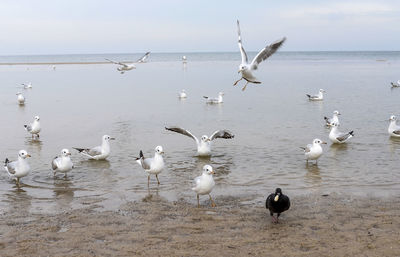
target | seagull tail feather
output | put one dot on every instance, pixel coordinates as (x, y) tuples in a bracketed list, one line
[(351, 133)]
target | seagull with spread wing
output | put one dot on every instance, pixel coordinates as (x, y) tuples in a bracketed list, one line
[(129, 66), (204, 144), (247, 68)]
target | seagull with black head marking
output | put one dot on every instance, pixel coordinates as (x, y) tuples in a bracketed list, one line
[(204, 144), (19, 168), (247, 68), (99, 152)]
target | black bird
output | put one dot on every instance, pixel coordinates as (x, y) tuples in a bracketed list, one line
[(277, 203)]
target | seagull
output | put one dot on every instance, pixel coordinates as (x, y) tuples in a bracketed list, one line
[(152, 165), (204, 144), (217, 100), (129, 66), (204, 184), (395, 85), (184, 60), (338, 137), (27, 86), (98, 152), (318, 97), (247, 68), (34, 127), (18, 169), (313, 151), (182, 94), (334, 119), (20, 98), (62, 163), (143, 58), (394, 129), (277, 203)]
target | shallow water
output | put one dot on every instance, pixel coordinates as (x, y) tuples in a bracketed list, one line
[(80, 103)]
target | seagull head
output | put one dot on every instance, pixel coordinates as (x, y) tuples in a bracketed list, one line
[(37, 118), (207, 169), (242, 67), (392, 118), (159, 150), (221, 93), (23, 154), (322, 91), (18, 93), (205, 138), (336, 113), (318, 142), (278, 193), (65, 152), (108, 138)]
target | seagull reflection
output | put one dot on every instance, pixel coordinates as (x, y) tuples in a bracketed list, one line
[(63, 192)]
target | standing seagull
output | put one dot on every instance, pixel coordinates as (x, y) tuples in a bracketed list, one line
[(182, 94), (20, 98), (34, 127), (394, 129), (62, 163), (218, 100), (204, 144), (338, 137), (313, 151), (318, 97), (277, 203), (18, 169), (152, 165), (129, 66), (98, 152), (333, 120), (204, 184), (247, 68)]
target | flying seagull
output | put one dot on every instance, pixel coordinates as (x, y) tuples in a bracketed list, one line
[(129, 66)]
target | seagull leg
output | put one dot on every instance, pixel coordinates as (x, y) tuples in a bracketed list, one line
[(148, 181), (237, 81), (244, 88), (212, 201), (158, 181), (198, 201), (18, 182)]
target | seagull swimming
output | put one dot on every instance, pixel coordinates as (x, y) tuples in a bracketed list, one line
[(247, 68), (334, 119), (318, 97), (20, 98), (182, 94), (62, 163), (98, 152), (338, 137), (313, 151), (394, 84), (394, 129), (18, 169), (129, 66), (277, 203), (204, 144), (184, 60), (152, 165), (34, 127), (27, 86), (217, 100), (204, 184)]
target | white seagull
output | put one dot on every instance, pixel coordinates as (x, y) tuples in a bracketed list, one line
[(394, 129), (152, 165), (143, 58), (62, 163), (217, 100), (182, 94), (20, 98), (34, 127), (98, 152), (27, 86), (395, 85), (204, 184), (129, 66), (184, 60), (318, 97), (334, 119), (204, 144), (313, 151), (338, 137), (18, 169), (247, 68)]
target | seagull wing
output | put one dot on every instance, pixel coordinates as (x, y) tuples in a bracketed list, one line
[(94, 151), (265, 53), (143, 58), (10, 167), (119, 63), (28, 128), (222, 134), (308, 148), (344, 136), (396, 132), (242, 51), (183, 132), (54, 163)]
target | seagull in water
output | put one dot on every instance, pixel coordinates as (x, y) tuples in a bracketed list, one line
[(204, 184), (184, 60), (334, 119), (277, 203), (34, 127), (152, 165), (62, 163), (247, 68), (98, 152), (129, 66), (313, 151), (394, 84), (217, 100), (182, 94), (18, 169), (204, 144), (27, 86), (20, 98), (318, 97), (338, 137), (394, 129)]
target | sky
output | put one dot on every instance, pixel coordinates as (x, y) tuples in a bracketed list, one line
[(123, 26)]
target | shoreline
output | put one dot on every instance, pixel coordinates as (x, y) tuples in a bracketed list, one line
[(55, 63)]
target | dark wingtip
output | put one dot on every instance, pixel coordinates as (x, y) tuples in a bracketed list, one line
[(25, 126), (141, 154), (326, 118), (206, 97), (351, 133), (6, 161), (78, 149), (308, 95)]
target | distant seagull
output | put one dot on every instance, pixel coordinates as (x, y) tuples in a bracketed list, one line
[(184, 60), (313, 151), (204, 144), (152, 165), (129, 66), (20, 98), (247, 68), (334, 119), (394, 129), (98, 152), (217, 100), (18, 169), (182, 94), (318, 97), (34, 127), (143, 58), (27, 86), (395, 84), (62, 163), (54, 67), (338, 137), (277, 203), (204, 184)]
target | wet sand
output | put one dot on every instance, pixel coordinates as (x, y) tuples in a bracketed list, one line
[(315, 225)]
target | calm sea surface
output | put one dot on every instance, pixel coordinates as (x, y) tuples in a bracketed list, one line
[(79, 103)]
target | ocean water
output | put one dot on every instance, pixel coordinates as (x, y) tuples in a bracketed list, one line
[(78, 103)]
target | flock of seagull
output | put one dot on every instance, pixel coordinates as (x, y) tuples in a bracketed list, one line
[(276, 202)]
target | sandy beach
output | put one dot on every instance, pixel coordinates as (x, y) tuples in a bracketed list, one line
[(316, 225)]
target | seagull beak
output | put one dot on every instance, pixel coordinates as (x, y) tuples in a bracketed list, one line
[(208, 140), (28, 155), (162, 152), (238, 71), (112, 138), (68, 153), (323, 142), (212, 172)]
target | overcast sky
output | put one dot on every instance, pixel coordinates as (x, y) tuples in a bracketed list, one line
[(126, 26)]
